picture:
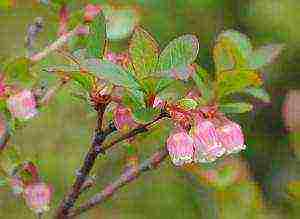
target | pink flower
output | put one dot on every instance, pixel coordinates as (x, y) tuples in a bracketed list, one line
[(38, 196), (123, 118), (22, 105), (91, 11), (158, 103), (231, 137), (2, 86), (83, 30), (181, 147), (208, 147)]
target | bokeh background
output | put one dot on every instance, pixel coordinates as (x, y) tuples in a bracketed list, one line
[(262, 182)]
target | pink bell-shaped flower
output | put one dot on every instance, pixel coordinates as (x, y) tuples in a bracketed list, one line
[(181, 147), (38, 196), (208, 147), (22, 105), (231, 137), (123, 118), (91, 11)]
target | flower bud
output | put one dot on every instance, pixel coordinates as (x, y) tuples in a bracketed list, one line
[(181, 147), (123, 118), (208, 147), (38, 196), (22, 105), (90, 12), (231, 137)]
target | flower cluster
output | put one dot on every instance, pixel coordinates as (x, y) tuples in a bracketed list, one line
[(22, 105), (26, 182), (207, 140)]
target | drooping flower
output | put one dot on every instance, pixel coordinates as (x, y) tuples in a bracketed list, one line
[(208, 146), (123, 118), (158, 102), (181, 147), (91, 11), (22, 105), (180, 116), (38, 196), (231, 137)]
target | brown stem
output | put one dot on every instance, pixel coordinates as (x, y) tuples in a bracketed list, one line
[(140, 129), (86, 167), (55, 45), (128, 176)]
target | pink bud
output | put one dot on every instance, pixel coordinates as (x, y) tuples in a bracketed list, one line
[(123, 118), (181, 147), (112, 57), (231, 137), (22, 105), (158, 102), (91, 11), (83, 30), (38, 196), (2, 86), (207, 144)]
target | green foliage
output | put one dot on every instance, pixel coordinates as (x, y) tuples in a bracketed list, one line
[(18, 70), (134, 99), (259, 93), (111, 72), (235, 108), (84, 80), (143, 50), (5, 4), (120, 22), (264, 55), (232, 50), (95, 40), (145, 115), (179, 53), (229, 82), (203, 83)]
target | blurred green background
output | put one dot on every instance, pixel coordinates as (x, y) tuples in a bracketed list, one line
[(59, 137)]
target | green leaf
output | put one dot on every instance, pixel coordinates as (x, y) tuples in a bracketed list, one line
[(113, 73), (95, 41), (120, 23), (134, 99), (163, 84), (229, 82), (179, 53), (18, 70), (143, 50), (145, 115), (202, 81), (3, 182), (5, 4), (232, 50), (264, 55), (188, 104), (84, 80), (293, 189), (233, 108), (258, 93)]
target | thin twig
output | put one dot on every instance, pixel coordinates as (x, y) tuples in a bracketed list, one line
[(62, 40), (140, 129), (128, 176), (48, 96), (95, 149)]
